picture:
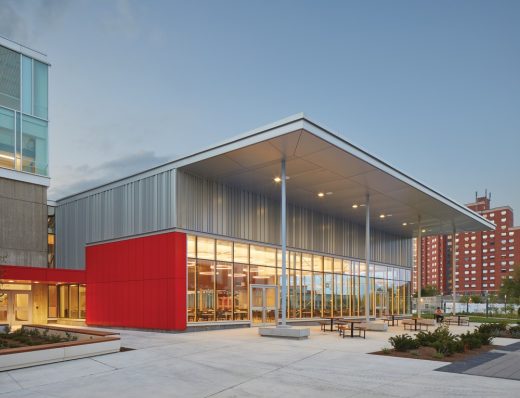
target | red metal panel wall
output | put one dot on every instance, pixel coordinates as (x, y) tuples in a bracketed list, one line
[(138, 282), (36, 274)]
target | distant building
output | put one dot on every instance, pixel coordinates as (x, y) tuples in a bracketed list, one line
[(484, 259)]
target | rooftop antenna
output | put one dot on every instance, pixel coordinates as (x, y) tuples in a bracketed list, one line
[(476, 195)]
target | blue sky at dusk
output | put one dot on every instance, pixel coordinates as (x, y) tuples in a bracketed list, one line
[(432, 88)]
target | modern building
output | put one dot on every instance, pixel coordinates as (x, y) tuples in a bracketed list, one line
[(200, 240), (25, 245), (484, 259)]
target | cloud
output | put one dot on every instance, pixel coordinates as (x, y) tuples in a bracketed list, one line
[(123, 19), (83, 177), (24, 20), (12, 25)]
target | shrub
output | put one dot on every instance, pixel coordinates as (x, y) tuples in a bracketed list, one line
[(493, 328), (426, 339), (471, 339), (515, 331), (403, 342), (386, 351), (438, 355)]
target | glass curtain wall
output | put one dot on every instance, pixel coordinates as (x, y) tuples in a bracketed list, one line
[(67, 301), (23, 113), (220, 274)]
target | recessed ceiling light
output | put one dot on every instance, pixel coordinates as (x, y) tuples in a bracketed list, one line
[(277, 179), (354, 206), (382, 216), (329, 193), (423, 230), (321, 194), (405, 224)]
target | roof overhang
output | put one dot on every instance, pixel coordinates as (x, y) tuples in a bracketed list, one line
[(320, 161)]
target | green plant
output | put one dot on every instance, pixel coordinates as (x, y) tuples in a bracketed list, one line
[(403, 342), (386, 351), (426, 339), (471, 340), (493, 328), (515, 331), (415, 353), (438, 355)]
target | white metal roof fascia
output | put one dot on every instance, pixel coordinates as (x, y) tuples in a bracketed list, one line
[(260, 134), (23, 176), (383, 166), (20, 48)]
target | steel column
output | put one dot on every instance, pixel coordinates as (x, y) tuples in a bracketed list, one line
[(453, 270), (419, 268), (283, 210), (367, 258)]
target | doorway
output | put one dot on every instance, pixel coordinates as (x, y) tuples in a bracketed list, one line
[(15, 308), (264, 305)]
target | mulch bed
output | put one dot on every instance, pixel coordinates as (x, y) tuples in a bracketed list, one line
[(428, 353)]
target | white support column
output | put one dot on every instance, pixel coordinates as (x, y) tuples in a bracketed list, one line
[(453, 270), (419, 270), (367, 258), (283, 234)]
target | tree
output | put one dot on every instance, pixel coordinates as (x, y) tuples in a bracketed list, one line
[(429, 291), (511, 287)]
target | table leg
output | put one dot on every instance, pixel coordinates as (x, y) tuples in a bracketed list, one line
[(331, 324), (352, 330)]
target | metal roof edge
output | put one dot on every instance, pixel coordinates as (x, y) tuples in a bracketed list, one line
[(185, 158), (411, 181)]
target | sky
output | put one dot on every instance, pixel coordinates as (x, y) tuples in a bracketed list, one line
[(433, 88)]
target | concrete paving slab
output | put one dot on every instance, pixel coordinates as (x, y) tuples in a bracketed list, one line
[(238, 362), (61, 371)]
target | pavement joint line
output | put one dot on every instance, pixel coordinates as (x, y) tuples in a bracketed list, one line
[(263, 374), (32, 388), (13, 379)]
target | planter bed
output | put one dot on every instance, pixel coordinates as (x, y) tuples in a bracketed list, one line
[(429, 354), (80, 343)]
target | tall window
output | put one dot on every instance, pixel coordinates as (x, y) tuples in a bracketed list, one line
[(23, 135), (220, 274)]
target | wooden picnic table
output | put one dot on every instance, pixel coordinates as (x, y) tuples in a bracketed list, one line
[(352, 323), (332, 321)]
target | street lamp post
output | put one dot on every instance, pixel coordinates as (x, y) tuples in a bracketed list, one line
[(487, 304), (505, 304)]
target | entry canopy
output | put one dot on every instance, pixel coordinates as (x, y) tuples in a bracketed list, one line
[(328, 174)]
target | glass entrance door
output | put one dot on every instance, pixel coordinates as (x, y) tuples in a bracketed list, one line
[(264, 305), (15, 308)]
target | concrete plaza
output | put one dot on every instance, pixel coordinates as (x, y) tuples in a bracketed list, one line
[(238, 363)]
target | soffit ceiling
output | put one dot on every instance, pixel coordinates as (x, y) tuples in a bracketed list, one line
[(316, 165)]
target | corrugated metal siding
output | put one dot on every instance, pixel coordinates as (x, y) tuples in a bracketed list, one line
[(138, 207), (210, 207), (148, 205)]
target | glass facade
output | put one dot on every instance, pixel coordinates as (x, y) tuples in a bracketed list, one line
[(23, 113), (221, 272), (67, 301)]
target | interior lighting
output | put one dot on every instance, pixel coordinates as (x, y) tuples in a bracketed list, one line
[(382, 216), (277, 179), (355, 206), (405, 224), (321, 194)]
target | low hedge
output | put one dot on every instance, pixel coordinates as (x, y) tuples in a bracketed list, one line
[(445, 342)]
